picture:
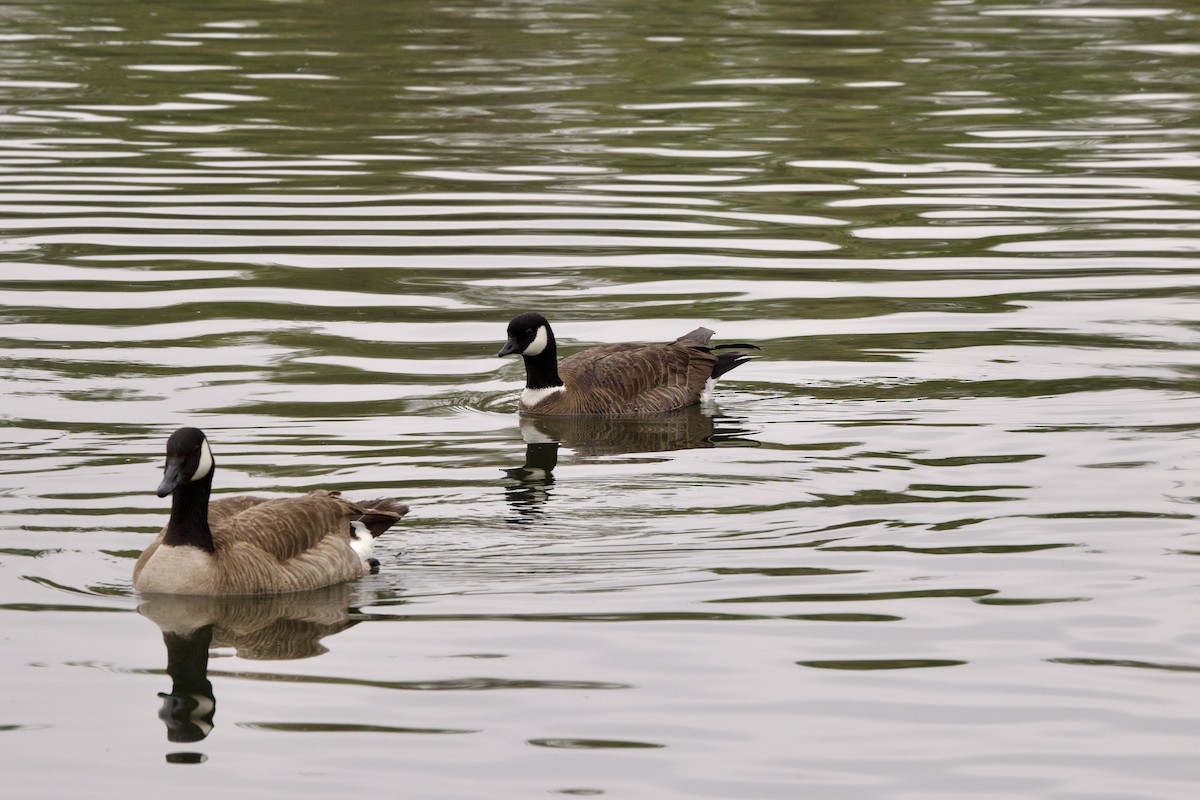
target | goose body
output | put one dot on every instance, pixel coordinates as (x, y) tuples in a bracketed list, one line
[(615, 379), (253, 545)]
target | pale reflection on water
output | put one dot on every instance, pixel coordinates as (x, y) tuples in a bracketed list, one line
[(271, 628), (936, 539), (615, 440)]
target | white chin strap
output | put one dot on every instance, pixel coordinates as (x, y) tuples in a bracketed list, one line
[(538, 344), (206, 462)]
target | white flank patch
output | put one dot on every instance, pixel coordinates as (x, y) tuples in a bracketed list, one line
[(361, 540), (538, 344), (206, 461), (531, 397), (707, 396)]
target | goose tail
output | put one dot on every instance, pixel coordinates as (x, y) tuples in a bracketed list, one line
[(700, 336), (732, 358), (380, 514), (728, 361)]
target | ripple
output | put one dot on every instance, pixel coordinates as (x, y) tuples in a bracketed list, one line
[(1154, 245), (209, 241), (1090, 12), (1125, 663), (593, 744), (883, 664), (328, 727)]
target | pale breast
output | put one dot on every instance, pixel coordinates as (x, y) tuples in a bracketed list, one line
[(177, 570)]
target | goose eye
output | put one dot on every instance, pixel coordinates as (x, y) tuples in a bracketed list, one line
[(529, 331)]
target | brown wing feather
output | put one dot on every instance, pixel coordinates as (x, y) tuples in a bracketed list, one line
[(227, 507), (284, 528), (289, 544), (635, 378)]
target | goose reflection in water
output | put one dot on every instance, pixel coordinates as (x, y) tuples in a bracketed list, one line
[(528, 487), (257, 627)]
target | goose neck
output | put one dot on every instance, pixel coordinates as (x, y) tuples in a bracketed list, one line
[(541, 371), (188, 524)]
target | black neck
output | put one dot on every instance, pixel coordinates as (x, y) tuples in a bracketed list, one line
[(189, 514), (541, 371)]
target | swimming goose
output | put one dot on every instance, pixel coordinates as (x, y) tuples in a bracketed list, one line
[(615, 378), (253, 545)]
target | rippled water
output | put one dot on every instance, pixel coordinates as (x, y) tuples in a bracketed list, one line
[(934, 541)]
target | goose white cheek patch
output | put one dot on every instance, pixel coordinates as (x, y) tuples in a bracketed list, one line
[(206, 461), (538, 344)]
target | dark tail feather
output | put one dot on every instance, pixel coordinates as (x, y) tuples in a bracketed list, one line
[(728, 361), (699, 339), (381, 514)]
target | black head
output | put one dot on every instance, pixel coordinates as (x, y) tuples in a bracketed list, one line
[(528, 335), (188, 459)]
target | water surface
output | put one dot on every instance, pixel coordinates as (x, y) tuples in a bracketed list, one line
[(934, 541)]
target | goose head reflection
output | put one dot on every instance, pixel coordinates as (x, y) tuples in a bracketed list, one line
[(528, 488), (257, 627)]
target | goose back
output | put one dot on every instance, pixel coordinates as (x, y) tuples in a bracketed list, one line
[(634, 378), (228, 507)]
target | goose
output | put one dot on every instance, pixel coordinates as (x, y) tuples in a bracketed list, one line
[(615, 379), (253, 545)]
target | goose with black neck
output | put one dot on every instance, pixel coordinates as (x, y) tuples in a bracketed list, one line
[(254, 545), (616, 379)]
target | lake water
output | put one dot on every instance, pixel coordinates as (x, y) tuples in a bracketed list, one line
[(937, 540)]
